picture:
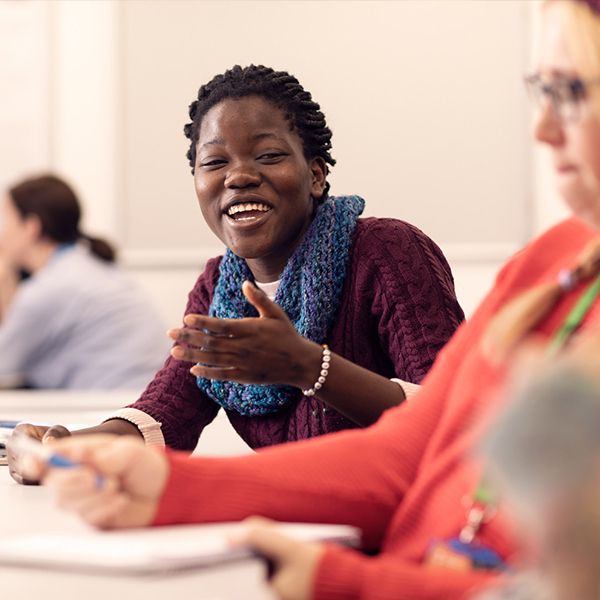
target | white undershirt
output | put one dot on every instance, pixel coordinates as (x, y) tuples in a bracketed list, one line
[(270, 289)]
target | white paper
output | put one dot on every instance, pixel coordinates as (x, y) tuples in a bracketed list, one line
[(151, 549)]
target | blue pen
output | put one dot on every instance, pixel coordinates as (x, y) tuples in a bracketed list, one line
[(23, 444)]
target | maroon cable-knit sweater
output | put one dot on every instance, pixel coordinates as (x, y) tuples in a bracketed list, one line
[(398, 310)]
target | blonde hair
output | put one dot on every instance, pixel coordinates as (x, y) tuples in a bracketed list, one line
[(583, 40), (522, 314)]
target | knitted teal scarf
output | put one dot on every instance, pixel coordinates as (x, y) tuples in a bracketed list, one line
[(309, 292)]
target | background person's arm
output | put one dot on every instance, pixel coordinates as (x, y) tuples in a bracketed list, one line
[(9, 281)]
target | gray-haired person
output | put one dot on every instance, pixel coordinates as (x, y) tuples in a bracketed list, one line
[(543, 455)]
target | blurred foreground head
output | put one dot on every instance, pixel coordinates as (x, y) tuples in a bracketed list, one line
[(543, 454)]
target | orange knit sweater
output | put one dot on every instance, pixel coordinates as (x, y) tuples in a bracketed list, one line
[(403, 481)]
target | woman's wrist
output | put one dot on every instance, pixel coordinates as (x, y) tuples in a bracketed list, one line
[(323, 373), (310, 365)]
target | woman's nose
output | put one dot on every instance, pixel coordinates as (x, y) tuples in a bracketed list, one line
[(242, 176), (548, 127)]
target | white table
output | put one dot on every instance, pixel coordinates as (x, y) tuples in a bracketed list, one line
[(26, 509), (90, 408), (29, 509)]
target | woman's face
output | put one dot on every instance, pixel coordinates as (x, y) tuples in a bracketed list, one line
[(254, 185), (574, 144), (16, 234)]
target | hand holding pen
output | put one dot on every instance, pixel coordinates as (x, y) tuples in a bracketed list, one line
[(109, 481), (28, 448)]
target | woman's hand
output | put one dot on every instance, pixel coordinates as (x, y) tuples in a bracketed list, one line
[(133, 479), (37, 432), (295, 563), (265, 349)]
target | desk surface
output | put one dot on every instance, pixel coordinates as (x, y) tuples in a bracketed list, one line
[(26, 509), (84, 409)]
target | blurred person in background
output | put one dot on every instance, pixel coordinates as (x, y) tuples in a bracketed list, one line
[(77, 322)]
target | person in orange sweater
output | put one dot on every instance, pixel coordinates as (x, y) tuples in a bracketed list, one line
[(410, 482)]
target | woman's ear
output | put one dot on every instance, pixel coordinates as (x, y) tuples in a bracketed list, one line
[(318, 170), (33, 227)]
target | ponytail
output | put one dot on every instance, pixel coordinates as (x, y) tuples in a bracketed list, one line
[(100, 248), (515, 320)]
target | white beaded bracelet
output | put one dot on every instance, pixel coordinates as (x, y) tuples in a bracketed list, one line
[(323, 374)]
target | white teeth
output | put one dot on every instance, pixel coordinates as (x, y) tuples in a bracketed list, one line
[(237, 208)]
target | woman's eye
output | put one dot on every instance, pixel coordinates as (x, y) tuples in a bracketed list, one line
[(216, 162), (271, 156)]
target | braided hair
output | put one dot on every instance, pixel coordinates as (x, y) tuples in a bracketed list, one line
[(278, 87)]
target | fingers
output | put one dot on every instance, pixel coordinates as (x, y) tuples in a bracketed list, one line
[(264, 305), (76, 490), (108, 454), (215, 327), (209, 346), (55, 432), (232, 373), (33, 431), (106, 513), (31, 469), (140, 471), (211, 327), (202, 338), (266, 540), (209, 357), (15, 464)]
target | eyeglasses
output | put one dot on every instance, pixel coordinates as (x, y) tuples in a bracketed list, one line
[(564, 95)]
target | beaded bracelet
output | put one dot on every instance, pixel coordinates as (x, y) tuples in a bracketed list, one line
[(323, 374)]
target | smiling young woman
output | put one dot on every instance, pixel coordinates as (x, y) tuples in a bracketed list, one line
[(377, 292)]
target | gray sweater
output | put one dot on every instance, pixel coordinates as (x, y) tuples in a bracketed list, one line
[(80, 323)]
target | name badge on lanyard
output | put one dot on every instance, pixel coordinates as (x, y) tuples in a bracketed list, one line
[(465, 553)]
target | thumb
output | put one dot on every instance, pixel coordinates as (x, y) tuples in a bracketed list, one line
[(266, 308)]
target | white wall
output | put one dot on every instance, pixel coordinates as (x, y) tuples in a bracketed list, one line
[(424, 97), (24, 82)]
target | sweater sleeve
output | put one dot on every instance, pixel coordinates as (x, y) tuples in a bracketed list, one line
[(343, 574), (172, 397), (415, 303)]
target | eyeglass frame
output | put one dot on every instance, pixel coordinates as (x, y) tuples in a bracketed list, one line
[(548, 91)]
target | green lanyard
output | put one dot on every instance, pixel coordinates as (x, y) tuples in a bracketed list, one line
[(575, 317), (484, 500)]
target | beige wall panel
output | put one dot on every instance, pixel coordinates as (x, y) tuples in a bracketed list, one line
[(424, 98)]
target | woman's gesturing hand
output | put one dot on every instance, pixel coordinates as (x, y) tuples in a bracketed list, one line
[(264, 349)]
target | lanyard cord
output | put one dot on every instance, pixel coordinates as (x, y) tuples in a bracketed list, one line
[(575, 317)]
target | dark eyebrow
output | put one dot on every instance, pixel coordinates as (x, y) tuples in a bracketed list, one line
[(261, 136), (213, 142), (258, 136)]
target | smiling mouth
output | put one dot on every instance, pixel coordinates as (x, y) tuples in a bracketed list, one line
[(247, 211)]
